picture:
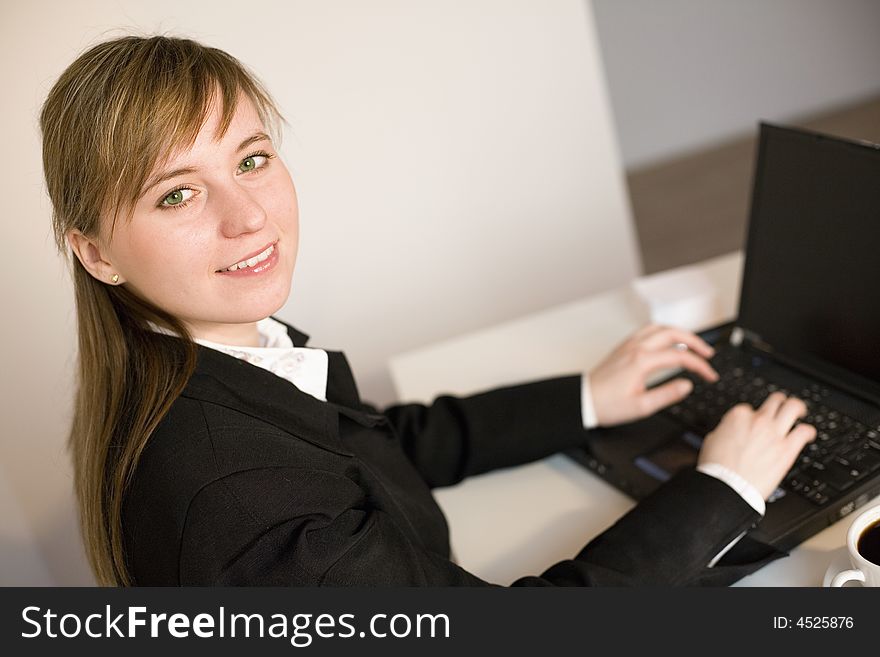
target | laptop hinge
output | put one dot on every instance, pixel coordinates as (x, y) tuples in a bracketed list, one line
[(740, 335)]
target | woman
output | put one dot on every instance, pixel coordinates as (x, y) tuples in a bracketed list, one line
[(212, 447)]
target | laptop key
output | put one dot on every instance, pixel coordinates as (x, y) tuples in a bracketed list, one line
[(839, 477), (795, 485), (867, 461)]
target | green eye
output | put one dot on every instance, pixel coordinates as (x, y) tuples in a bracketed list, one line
[(174, 198), (252, 162), (177, 199)]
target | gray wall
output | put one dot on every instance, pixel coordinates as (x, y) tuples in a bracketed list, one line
[(687, 73)]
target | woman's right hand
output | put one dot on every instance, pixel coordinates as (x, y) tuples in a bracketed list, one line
[(759, 445)]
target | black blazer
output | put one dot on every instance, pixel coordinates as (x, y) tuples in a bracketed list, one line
[(249, 481)]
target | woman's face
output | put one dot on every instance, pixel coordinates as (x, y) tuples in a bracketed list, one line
[(216, 205)]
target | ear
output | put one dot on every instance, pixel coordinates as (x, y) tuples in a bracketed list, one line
[(93, 257)]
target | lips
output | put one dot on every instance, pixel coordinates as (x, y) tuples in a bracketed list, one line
[(257, 267), (250, 255)]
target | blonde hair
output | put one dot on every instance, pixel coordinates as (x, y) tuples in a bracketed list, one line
[(119, 110)]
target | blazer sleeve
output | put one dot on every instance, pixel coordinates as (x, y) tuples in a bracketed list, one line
[(455, 437), (237, 534)]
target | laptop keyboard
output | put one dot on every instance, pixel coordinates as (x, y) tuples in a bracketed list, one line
[(845, 451)]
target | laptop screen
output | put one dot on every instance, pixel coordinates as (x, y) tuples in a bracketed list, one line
[(811, 282)]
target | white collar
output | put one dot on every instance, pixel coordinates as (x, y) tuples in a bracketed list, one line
[(304, 367)]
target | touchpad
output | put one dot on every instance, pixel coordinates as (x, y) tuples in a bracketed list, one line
[(664, 461)]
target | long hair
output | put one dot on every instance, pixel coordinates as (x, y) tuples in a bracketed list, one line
[(118, 110)]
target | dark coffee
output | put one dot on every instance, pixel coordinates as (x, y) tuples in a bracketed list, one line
[(869, 542)]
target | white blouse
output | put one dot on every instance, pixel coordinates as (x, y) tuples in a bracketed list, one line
[(304, 367)]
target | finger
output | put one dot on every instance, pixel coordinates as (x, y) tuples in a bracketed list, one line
[(686, 359), (666, 395), (771, 405), (790, 410), (647, 330), (634, 339), (798, 438), (668, 336), (738, 414)]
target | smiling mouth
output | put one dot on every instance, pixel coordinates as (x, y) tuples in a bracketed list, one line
[(253, 260)]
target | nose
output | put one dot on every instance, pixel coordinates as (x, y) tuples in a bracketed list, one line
[(240, 211)]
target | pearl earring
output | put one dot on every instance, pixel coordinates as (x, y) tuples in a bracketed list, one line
[(115, 278)]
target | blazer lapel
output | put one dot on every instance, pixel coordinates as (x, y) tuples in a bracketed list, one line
[(341, 387), (298, 337), (223, 379)]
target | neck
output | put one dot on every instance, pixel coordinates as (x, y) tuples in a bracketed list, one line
[(236, 335)]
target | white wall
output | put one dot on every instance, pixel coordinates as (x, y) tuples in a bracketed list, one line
[(455, 163), (687, 73)]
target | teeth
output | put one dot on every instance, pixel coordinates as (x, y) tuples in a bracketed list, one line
[(250, 262)]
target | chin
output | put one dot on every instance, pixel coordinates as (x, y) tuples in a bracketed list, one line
[(267, 307)]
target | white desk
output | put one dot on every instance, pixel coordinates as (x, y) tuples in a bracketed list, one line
[(520, 521)]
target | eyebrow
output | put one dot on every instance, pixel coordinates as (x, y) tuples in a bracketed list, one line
[(162, 177)]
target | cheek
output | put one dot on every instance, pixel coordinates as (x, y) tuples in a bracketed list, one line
[(284, 206), (284, 194), (165, 257)]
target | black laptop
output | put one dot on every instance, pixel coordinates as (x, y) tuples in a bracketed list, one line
[(808, 325)]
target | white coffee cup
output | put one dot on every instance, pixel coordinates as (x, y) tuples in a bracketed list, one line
[(862, 570)]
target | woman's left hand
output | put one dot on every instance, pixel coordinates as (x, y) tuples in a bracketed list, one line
[(618, 383)]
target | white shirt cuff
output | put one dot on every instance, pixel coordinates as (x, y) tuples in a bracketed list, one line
[(588, 411), (748, 492)]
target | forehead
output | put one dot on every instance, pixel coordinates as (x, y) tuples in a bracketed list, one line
[(245, 121)]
